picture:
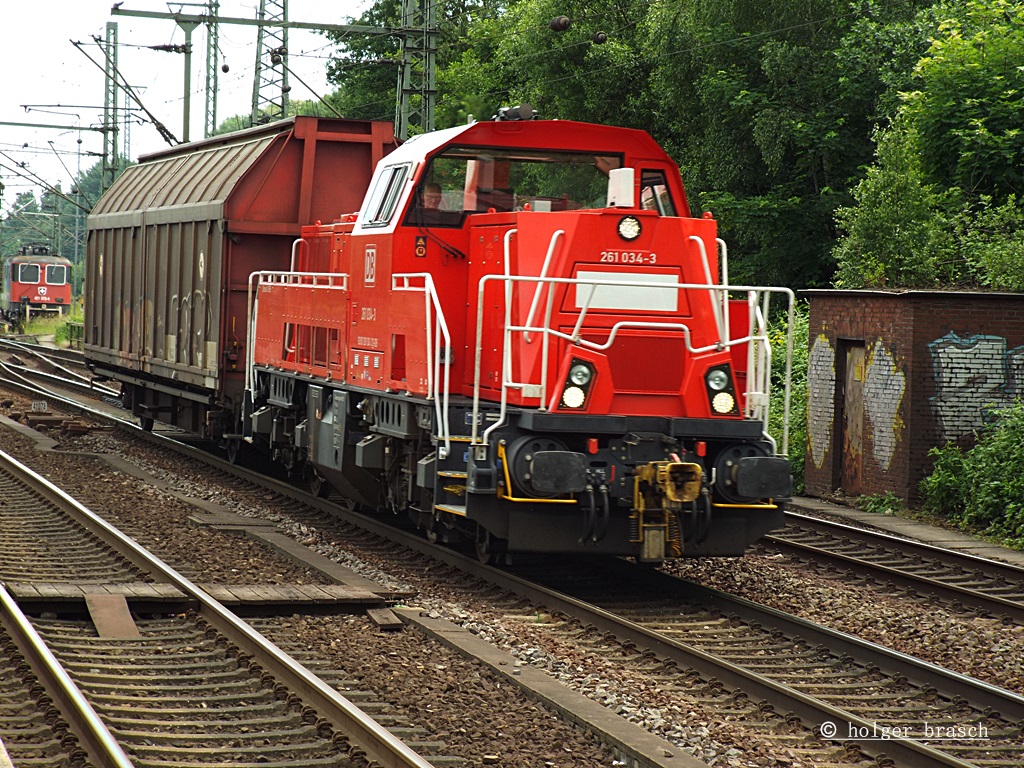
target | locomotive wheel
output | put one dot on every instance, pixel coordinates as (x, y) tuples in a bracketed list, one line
[(319, 484), (490, 550), (146, 422), (233, 449), (431, 532)]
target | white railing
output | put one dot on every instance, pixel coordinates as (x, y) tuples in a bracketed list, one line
[(756, 399), (439, 351)]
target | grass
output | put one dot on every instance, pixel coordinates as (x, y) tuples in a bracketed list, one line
[(54, 325)]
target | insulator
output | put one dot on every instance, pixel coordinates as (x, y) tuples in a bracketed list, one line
[(560, 23), (600, 38)]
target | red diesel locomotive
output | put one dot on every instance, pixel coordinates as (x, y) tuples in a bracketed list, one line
[(36, 283), (523, 337)]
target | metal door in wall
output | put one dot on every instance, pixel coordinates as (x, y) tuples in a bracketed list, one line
[(852, 425)]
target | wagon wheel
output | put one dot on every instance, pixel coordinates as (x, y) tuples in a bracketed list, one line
[(318, 484)]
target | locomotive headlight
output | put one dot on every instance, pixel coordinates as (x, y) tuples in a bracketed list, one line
[(723, 402), (717, 379), (580, 374), (629, 228), (573, 397), (578, 383)]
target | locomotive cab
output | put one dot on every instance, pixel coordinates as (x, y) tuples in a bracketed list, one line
[(524, 336), (36, 283)]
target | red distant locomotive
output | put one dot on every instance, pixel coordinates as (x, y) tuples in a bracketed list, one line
[(523, 337), (36, 283)]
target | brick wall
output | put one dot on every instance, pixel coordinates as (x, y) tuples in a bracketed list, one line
[(893, 374)]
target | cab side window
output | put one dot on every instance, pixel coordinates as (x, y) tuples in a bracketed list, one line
[(28, 273), (654, 194), (384, 198)]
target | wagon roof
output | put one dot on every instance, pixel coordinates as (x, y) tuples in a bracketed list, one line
[(272, 178), (203, 174)]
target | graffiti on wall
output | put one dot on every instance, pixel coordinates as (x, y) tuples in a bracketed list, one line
[(821, 388), (884, 387), (973, 374)]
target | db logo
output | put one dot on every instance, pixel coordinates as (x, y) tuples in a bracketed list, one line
[(370, 265)]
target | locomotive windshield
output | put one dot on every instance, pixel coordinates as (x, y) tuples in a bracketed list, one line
[(56, 274), (28, 273), (465, 180)]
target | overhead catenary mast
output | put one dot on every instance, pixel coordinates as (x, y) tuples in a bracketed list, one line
[(416, 77), (270, 84)]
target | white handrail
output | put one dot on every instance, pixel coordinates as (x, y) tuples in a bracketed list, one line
[(295, 244), (319, 280), (555, 237), (401, 282), (723, 278), (759, 350), (716, 308)]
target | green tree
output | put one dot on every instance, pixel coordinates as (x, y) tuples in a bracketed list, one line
[(897, 234), (969, 107), (769, 108), (941, 204)]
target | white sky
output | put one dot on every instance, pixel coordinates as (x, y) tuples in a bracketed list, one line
[(44, 68)]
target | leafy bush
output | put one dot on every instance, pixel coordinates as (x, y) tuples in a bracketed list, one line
[(944, 491), (798, 396), (982, 489)]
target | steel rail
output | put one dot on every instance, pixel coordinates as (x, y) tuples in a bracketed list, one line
[(93, 736), (811, 711), (991, 568), (78, 384), (42, 354)]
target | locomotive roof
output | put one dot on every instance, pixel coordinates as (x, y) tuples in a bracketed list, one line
[(38, 259), (558, 135)]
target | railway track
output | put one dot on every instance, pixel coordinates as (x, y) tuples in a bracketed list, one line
[(73, 359), (132, 685), (821, 676), (965, 581), (634, 745), (796, 670), (51, 371)]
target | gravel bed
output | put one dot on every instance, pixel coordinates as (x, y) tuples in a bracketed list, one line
[(981, 647), (436, 687), (693, 722)]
